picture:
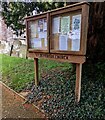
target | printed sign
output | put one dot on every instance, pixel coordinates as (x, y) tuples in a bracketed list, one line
[(56, 25), (75, 34), (65, 24)]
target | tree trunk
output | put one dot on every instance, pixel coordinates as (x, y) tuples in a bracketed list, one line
[(96, 33)]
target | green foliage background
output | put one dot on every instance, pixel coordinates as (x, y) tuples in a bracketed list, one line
[(15, 12)]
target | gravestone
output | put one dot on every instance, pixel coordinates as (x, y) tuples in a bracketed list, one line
[(23, 51), (16, 48)]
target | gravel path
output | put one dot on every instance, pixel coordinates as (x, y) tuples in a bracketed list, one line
[(12, 106)]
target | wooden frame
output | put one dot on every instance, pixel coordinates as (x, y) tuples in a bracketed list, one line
[(32, 19), (82, 8)]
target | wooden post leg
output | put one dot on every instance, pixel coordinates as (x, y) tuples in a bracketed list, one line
[(78, 82), (36, 71)]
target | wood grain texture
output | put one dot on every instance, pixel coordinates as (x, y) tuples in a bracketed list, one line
[(78, 82), (36, 71), (58, 57)]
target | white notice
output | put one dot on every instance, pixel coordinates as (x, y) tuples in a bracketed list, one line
[(76, 22), (75, 33), (45, 42), (75, 45), (63, 42), (45, 25), (37, 43), (56, 25), (42, 34), (65, 24), (33, 27)]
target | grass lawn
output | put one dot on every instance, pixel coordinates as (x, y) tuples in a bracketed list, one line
[(56, 90), (17, 73)]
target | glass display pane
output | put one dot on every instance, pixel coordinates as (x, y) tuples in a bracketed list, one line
[(38, 34), (66, 33)]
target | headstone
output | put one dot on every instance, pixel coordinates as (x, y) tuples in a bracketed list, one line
[(23, 50), (16, 48)]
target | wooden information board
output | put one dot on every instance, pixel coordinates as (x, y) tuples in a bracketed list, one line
[(37, 34), (59, 34)]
